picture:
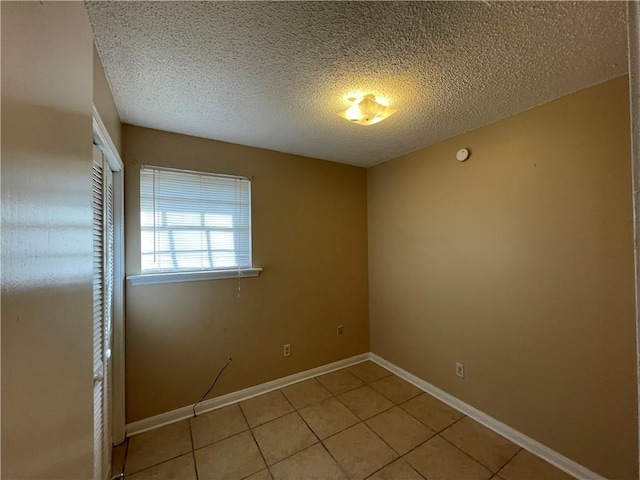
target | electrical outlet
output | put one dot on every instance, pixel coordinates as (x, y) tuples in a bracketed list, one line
[(339, 331), (286, 350), (460, 370)]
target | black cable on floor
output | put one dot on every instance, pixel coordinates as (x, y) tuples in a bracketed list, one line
[(211, 387)]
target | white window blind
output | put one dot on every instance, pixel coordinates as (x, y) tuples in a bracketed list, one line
[(193, 221)]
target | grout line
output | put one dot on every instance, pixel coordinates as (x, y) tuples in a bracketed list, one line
[(383, 467), (380, 436), (193, 449), (400, 458), (414, 469), (393, 405), (255, 441), (418, 446), (407, 411), (452, 424), (195, 464), (509, 461), (148, 467), (383, 441), (364, 380), (437, 434), (271, 419), (334, 459), (297, 412), (287, 399), (468, 455), (209, 443), (386, 464), (411, 466), (163, 461)]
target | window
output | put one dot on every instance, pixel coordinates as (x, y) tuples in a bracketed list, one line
[(194, 222)]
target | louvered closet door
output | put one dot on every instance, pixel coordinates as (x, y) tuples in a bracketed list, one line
[(102, 311)]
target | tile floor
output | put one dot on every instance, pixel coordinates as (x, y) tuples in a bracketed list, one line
[(355, 423)]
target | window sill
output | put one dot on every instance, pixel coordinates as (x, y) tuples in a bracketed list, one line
[(156, 278)]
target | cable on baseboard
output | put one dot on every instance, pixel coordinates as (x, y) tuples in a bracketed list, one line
[(211, 387)]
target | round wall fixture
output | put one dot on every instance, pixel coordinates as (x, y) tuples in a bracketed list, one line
[(462, 154)]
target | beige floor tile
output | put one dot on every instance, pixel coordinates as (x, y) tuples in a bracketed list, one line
[(432, 412), (400, 430), (398, 470), (340, 381), (156, 446), (365, 402), (283, 437), (359, 451), (487, 447), (368, 371), (314, 463), (396, 389), (233, 458), (261, 475), (180, 468), (526, 466), (305, 393), (328, 417), (117, 459), (437, 459), (265, 408), (213, 426)]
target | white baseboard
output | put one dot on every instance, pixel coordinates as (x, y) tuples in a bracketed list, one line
[(563, 463), (183, 413)]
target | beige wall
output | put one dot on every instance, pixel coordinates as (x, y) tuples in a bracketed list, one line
[(103, 101), (518, 263), (309, 235), (47, 385)]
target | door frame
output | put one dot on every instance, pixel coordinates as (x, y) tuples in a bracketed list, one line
[(633, 44), (103, 141)]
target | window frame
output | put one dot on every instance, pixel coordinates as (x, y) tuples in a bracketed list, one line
[(171, 276)]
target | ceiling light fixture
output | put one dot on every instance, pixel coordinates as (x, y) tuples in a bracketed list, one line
[(367, 109)]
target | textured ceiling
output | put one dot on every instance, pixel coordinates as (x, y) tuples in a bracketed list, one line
[(275, 74)]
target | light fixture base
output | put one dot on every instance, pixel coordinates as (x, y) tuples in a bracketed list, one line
[(367, 109)]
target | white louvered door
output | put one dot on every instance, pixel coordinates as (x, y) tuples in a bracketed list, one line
[(103, 250), (108, 310)]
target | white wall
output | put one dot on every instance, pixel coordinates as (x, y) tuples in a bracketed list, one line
[(47, 399)]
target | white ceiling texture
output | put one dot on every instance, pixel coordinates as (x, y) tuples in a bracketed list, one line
[(275, 74)]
